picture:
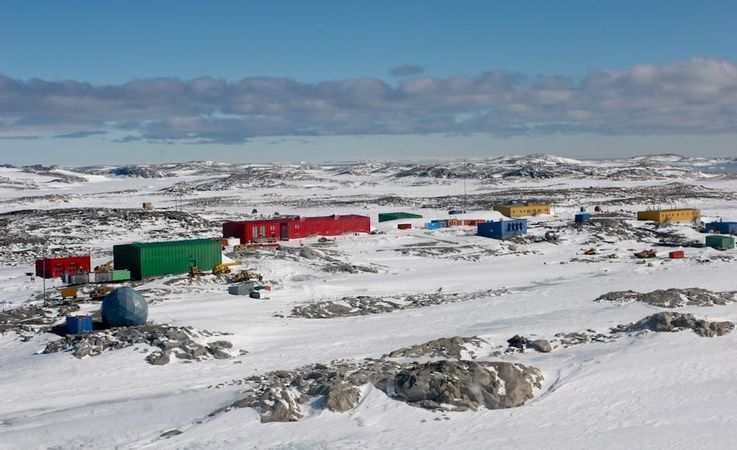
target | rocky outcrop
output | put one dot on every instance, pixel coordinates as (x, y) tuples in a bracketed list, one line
[(672, 298), (180, 342), (671, 321), (461, 385), (521, 343), (439, 385), (453, 347), (366, 305)]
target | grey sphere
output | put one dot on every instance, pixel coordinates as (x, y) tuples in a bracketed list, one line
[(124, 307)]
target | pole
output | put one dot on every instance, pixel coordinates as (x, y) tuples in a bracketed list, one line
[(465, 195), (44, 277)]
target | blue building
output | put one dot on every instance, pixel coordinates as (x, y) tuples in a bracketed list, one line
[(503, 229), (79, 324), (582, 217), (722, 227)]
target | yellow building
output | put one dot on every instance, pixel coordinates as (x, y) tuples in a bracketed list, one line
[(522, 209), (670, 215)]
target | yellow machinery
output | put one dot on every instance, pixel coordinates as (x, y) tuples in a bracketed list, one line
[(246, 275), (646, 254), (68, 292), (106, 267), (224, 268), (100, 293)]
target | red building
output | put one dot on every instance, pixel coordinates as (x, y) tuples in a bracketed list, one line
[(295, 227), (56, 267)]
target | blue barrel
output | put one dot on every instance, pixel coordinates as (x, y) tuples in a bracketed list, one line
[(79, 324)]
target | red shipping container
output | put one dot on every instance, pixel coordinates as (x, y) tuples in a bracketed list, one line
[(56, 267), (404, 226), (678, 254)]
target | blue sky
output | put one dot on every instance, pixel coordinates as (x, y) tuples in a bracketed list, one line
[(480, 77)]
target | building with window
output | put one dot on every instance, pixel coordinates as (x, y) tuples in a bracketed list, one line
[(521, 209), (502, 229), (670, 215), (295, 227)]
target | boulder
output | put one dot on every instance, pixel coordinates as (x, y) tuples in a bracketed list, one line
[(342, 398), (540, 345), (462, 384)]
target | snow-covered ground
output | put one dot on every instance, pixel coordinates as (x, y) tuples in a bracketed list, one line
[(641, 390)]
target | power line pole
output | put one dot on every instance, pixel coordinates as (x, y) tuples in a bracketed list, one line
[(465, 195)]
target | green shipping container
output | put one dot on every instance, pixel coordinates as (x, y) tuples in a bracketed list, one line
[(385, 217), (720, 242), (167, 258)]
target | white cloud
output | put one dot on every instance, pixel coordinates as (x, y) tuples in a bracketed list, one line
[(693, 96)]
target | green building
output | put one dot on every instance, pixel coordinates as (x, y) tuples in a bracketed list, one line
[(720, 242), (385, 217), (167, 258)]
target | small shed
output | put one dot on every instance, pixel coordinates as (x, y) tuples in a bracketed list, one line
[(582, 217), (502, 229), (79, 324), (720, 242), (404, 226), (56, 267), (722, 227), (432, 225), (677, 254)]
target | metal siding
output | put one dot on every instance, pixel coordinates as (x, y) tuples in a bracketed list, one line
[(720, 242), (304, 227), (722, 227), (127, 257), (120, 275), (56, 267), (79, 324), (499, 229), (166, 258)]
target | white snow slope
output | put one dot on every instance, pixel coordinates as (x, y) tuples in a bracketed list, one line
[(652, 390)]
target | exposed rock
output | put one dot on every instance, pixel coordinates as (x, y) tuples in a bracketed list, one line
[(365, 305), (438, 385), (309, 253), (158, 358), (453, 347), (33, 319), (170, 433), (577, 338), (462, 385), (275, 404), (672, 321), (177, 341), (672, 298), (348, 268), (540, 345), (518, 341), (342, 398)]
